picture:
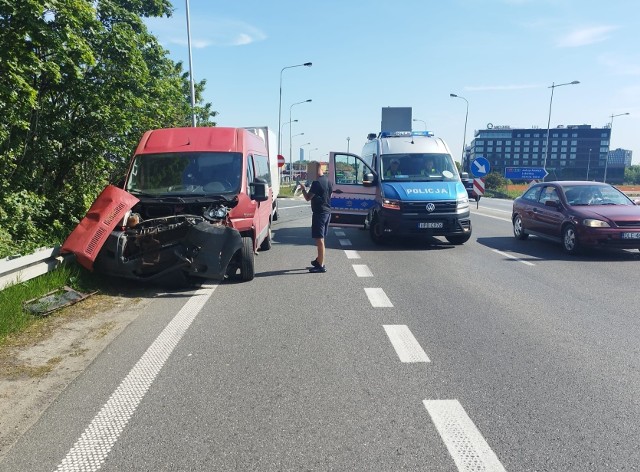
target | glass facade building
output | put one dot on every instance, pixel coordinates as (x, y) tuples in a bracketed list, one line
[(576, 152)]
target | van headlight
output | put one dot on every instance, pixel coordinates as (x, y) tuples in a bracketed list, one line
[(390, 204), (462, 203)]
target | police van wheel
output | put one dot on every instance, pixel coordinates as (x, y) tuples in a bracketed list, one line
[(247, 259), (376, 231), (458, 239)]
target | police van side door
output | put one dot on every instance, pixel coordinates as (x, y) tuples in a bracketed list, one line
[(353, 193)]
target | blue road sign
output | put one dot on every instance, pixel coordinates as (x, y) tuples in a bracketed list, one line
[(525, 173), (480, 166)]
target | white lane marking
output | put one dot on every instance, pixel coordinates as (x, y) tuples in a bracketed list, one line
[(505, 254), (91, 449), (337, 228), (289, 207), (508, 220), (362, 270), (405, 344), (378, 298), (340, 233), (344, 242), (464, 441), (352, 254)]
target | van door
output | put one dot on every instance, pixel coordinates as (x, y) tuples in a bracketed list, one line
[(351, 198), (262, 172)]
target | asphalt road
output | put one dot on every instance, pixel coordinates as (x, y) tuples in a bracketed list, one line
[(495, 355)]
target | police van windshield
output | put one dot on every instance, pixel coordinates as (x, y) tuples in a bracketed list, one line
[(418, 167), (189, 173)]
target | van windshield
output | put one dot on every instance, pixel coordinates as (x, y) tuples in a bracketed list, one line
[(189, 173), (418, 167)]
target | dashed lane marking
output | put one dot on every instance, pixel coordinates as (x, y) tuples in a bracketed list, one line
[(464, 441), (340, 233), (351, 254), (362, 270), (405, 344), (344, 242), (378, 298), (91, 449), (506, 254)]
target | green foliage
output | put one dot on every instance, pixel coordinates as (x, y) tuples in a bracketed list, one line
[(632, 175), (80, 82), (495, 180)]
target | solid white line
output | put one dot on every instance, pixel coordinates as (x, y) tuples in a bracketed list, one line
[(340, 233), (405, 344), (378, 298), (505, 254), (344, 242), (294, 206), (352, 254), (362, 270), (494, 217), (464, 441), (91, 449)]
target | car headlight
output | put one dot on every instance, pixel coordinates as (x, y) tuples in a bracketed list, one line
[(591, 223), (391, 204), (462, 202)]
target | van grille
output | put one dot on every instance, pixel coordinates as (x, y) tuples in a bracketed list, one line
[(421, 207)]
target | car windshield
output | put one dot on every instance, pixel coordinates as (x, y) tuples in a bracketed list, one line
[(579, 195), (193, 173), (418, 167)]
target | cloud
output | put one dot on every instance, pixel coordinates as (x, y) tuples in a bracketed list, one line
[(481, 88), (620, 65), (206, 32), (585, 36)]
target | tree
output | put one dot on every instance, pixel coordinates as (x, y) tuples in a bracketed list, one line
[(80, 82)]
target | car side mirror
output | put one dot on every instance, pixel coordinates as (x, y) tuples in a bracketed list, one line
[(552, 203), (259, 190), (368, 179)]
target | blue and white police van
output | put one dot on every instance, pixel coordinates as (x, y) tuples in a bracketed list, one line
[(404, 184)]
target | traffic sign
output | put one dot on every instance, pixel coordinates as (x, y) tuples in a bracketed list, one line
[(480, 166), (478, 186), (280, 160), (525, 173)]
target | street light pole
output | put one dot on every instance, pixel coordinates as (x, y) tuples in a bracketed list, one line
[(552, 87), (191, 82), (314, 149), (306, 64), (606, 163), (290, 120), (423, 122), (464, 137), (290, 150)]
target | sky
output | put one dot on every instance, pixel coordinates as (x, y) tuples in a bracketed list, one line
[(502, 56)]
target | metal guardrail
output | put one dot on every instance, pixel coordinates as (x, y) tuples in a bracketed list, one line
[(21, 269)]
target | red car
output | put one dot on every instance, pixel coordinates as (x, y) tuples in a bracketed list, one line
[(578, 214)]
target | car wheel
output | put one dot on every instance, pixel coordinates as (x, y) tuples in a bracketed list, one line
[(266, 242), (247, 259), (518, 228), (570, 240), (376, 231)]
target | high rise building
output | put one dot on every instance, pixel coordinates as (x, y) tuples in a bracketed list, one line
[(576, 152)]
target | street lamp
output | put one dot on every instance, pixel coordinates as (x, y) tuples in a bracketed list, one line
[(284, 124), (290, 120), (314, 149), (191, 83), (306, 64), (609, 146), (423, 122), (546, 151), (464, 137), (588, 163)]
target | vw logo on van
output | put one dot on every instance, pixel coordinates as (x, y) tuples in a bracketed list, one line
[(430, 207)]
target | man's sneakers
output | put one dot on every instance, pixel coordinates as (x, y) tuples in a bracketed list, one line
[(317, 269), (315, 263)]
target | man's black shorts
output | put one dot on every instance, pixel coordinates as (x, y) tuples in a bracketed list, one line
[(320, 225)]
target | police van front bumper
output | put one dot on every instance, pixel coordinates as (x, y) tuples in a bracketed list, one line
[(415, 218)]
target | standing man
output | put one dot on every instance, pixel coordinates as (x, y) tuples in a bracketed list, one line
[(320, 196)]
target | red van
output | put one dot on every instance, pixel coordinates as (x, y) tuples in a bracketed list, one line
[(196, 202)]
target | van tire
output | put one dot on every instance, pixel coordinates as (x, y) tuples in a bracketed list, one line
[(458, 239), (247, 259), (275, 211), (376, 231), (266, 242)]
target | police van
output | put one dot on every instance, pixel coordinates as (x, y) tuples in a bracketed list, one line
[(404, 184)]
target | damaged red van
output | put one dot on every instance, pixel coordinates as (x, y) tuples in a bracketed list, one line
[(196, 203)]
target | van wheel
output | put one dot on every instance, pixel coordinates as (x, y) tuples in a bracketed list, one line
[(247, 260), (275, 212), (266, 242), (376, 231)]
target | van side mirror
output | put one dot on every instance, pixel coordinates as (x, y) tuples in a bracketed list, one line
[(464, 175), (259, 190), (368, 179)]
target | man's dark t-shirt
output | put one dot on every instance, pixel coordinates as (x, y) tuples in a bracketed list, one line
[(321, 190)]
